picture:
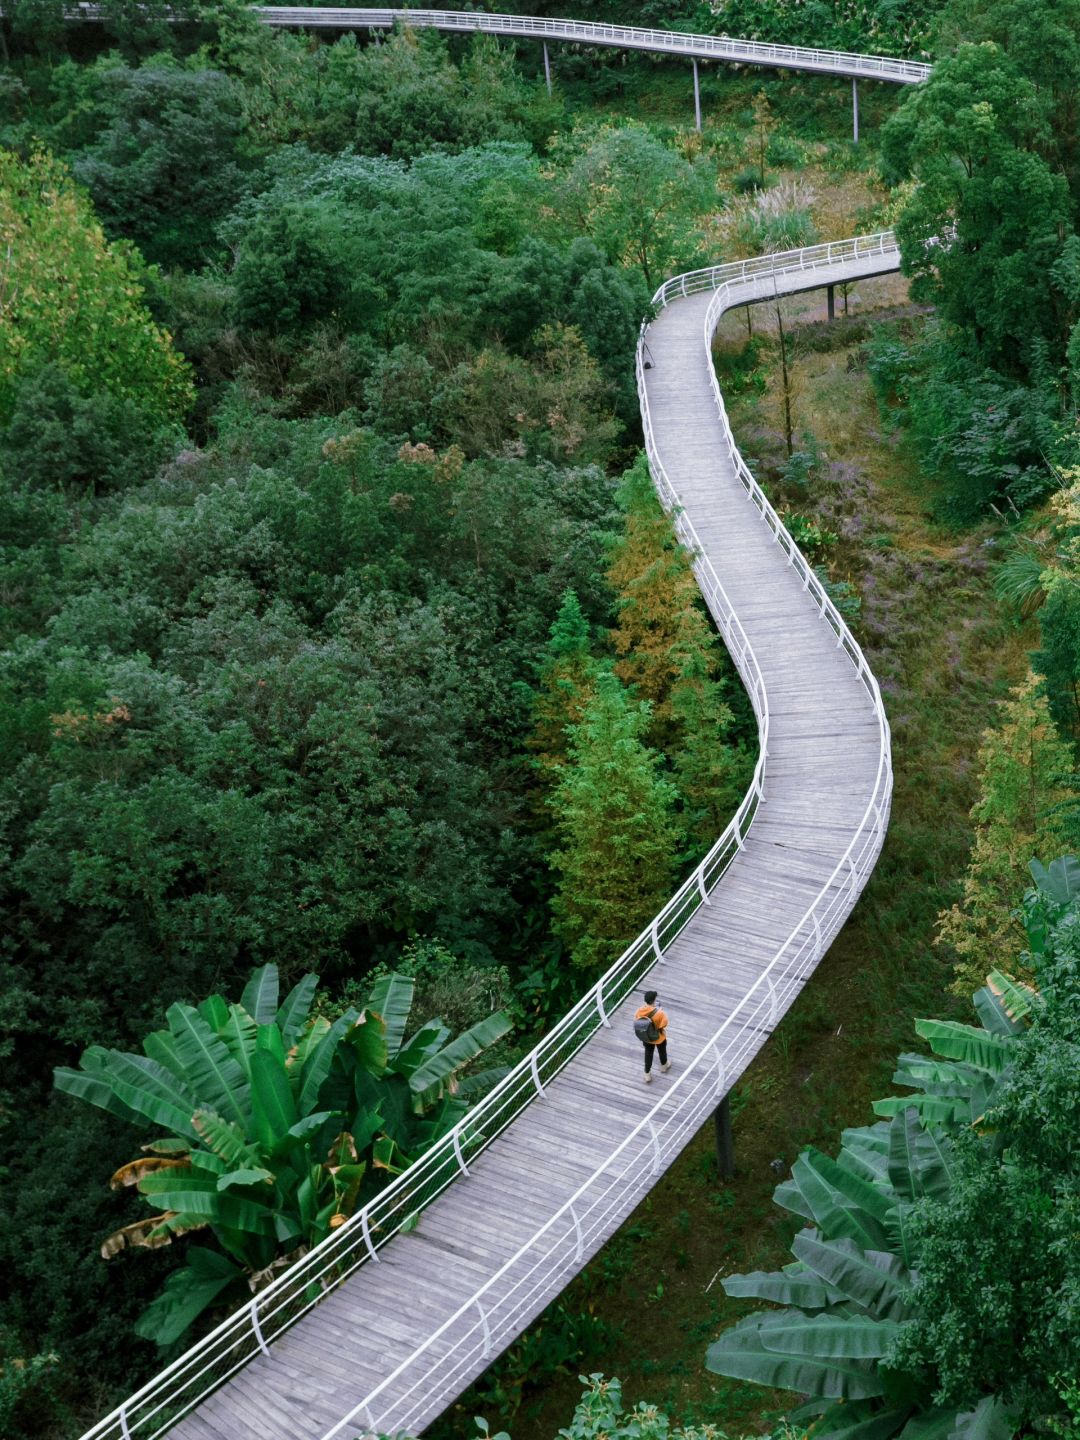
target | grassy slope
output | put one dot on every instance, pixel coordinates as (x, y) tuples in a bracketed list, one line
[(647, 1306)]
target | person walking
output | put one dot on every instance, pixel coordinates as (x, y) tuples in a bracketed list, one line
[(650, 1026)]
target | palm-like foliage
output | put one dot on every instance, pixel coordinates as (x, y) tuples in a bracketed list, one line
[(849, 1290), (279, 1123)]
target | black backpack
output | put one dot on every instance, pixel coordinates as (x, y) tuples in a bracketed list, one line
[(645, 1030)]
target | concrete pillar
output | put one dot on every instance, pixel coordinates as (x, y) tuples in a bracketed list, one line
[(547, 67), (832, 302), (725, 1144), (697, 100), (855, 110)]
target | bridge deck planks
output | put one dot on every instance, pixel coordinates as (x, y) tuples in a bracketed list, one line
[(823, 759)]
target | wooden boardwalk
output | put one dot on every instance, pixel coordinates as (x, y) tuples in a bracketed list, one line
[(394, 1344)]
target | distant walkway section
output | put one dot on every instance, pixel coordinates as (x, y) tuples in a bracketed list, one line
[(582, 32)]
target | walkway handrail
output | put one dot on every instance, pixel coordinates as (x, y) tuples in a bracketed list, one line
[(248, 1332), (630, 37)]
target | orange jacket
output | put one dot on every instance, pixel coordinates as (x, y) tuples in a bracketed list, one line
[(658, 1018)]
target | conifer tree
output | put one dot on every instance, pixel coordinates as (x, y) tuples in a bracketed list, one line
[(618, 836), (567, 683), (1024, 767)]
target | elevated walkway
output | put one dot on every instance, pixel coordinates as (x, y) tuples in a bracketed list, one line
[(382, 1326)]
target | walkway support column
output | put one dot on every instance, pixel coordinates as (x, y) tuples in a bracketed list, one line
[(547, 68), (725, 1144), (832, 301), (855, 110), (697, 100)]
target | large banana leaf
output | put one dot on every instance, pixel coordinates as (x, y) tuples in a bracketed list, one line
[(789, 1197), (368, 1042), (864, 1150), (794, 1285), (269, 1037), (432, 1075), (920, 1160), (238, 1035), (94, 1089), (160, 1045), (295, 1008), (273, 1109), (419, 1048), (742, 1354), (391, 998), (842, 1203), (968, 1043), (903, 1240), (152, 1091), (937, 1077), (226, 1140), (932, 1109), (321, 1058), (215, 1012), (196, 1194), (260, 997), (830, 1337), (991, 1419), (209, 1070), (874, 1279), (187, 1294)]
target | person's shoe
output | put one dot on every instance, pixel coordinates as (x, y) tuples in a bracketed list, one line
[(666, 1067), (648, 1077)]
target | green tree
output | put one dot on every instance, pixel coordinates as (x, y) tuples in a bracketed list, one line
[(637, 198), (1021, 811), (139, 169), (70, 299), (617, 833), (279, 1123), (986, 230)]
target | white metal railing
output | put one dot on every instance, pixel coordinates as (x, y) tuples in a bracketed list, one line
[(572, 1230), (629, 37)]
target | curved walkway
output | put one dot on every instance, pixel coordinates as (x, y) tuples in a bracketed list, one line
[(380, 1328)]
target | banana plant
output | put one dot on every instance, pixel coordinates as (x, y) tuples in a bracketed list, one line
[(279, 1124), (850, 1288)]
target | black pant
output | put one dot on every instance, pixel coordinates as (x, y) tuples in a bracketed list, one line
[(649, 1049)]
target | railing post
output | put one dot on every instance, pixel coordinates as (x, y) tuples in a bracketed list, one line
[(774, 1004), (124, 1431), (656, 940), (365, 1231), (535, 1069), (258, 1328), (600, 1006), (579, 1238), (487, 1331), (656, 1148), (457, 1152)]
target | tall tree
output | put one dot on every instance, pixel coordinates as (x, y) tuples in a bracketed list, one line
[(618, 836)]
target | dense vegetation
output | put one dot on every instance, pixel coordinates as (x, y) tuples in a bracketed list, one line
[(341, 630)]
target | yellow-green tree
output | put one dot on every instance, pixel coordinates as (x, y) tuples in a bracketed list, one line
[(1024, 768), (70, 299), (567, 683)]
